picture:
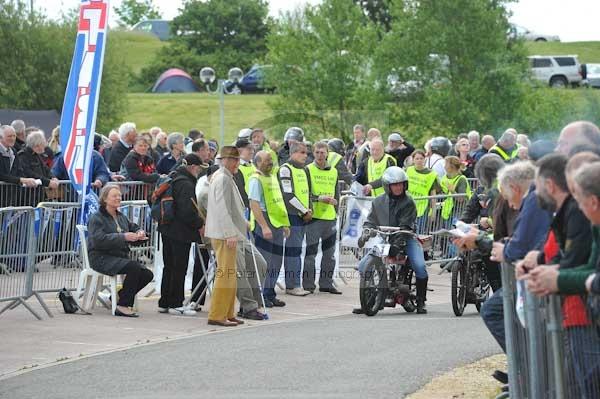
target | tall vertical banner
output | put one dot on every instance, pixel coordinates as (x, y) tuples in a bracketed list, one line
[(78, 118)]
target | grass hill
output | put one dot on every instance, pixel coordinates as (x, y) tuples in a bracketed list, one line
[(588, 52), (138, 48)]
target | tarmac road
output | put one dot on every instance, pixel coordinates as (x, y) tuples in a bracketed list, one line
[(386, 356)]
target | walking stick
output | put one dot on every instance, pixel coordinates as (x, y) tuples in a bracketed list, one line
[(262, 297)]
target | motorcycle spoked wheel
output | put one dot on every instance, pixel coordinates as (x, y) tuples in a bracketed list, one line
[(373, 289), (458, 287)]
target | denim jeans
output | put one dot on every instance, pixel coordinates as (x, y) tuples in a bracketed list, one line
[(272, 251), (492, 313), (292, 262), (415, 256)]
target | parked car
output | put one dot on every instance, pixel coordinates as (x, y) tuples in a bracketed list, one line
[(556, 70), (517, 31), (591, 75), (252, 81), (404, 82), (160, 28)]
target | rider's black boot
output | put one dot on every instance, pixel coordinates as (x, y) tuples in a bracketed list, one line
[(421, 295)]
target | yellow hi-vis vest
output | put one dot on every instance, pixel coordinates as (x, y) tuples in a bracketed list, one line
[(375, 171), (300, 182), (247, 170), (419, 185), (333, 158), (448, 203), (273, 200), (323, 182), (506, 157)]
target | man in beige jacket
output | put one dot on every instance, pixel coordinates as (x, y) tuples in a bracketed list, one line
[(227, 228)]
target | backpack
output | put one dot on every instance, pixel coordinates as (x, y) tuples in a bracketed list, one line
[(162, 205)]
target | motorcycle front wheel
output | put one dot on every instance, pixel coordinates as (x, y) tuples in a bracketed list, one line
[(373, 288), (458, 288)]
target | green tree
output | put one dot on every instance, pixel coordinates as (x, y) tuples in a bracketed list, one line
[(218, 33), (378, 11), (472, 76), (131, 12), (37, 53), (321, 69)]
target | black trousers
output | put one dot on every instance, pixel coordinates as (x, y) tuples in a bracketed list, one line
[(198, 274), (175, 257), (136, 278)]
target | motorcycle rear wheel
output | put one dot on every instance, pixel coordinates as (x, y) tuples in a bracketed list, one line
[(373, 289)]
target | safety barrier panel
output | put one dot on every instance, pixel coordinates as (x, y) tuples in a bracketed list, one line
[(14, 195), (40, 249), (552, 343)]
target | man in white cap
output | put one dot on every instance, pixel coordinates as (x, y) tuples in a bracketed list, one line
[(399, 148)]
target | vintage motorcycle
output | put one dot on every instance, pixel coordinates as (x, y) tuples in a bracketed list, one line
[(392, 280)]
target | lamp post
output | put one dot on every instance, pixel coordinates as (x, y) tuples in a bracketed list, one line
[(208, 76)]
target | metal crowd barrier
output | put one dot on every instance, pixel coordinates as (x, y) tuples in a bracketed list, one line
[(442, 249), (550, 356), (14, 195), (40, 249)]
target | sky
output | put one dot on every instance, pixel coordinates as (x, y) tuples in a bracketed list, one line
[(572, 20)]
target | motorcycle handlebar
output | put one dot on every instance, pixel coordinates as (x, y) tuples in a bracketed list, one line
[(386, 231)]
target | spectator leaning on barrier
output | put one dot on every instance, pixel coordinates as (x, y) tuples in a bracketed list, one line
[(227, 228), (323, 193), (269, 222), (151, 151), (120, 149), (99, 173), (175, 144), (295, 187), (32, 162), (109, 235), (178, 235), (11, 170), (372, 168), (138, 165)]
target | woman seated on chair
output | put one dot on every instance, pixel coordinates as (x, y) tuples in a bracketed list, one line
[(110, 234)]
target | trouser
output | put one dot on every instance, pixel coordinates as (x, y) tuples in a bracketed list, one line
[(584, 347), (223, 295), (248, 282), (492, 313), (272, 252), (292, 262), (414, 251), (492, 272), (175, 259), (325, 232), (199, 273), (136, 278)]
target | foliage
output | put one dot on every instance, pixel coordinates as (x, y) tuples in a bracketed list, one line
[(378, 11), (218, 33), (131, 12), (471, 75), (321, 69), (38, 60)]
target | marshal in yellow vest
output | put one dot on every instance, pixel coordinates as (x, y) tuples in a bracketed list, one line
[(300, 184), (419, 185), (247, 171), (323, 182), (273, 200), (375, 171), (448, 204)]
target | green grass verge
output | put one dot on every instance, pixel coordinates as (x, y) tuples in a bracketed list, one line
[(588, 52), (138, 49), (181, 112)]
